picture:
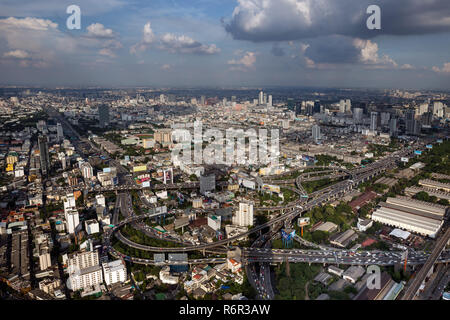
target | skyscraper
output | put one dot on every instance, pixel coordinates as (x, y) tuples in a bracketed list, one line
[(409, 121), (357, 115), (103, 115), (59, 132), (261, 98), (244, 217), (316, 133), (43, 153), (393, 127), (373, 121), (269, 102)]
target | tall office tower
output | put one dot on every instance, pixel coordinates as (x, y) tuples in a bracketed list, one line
[(233, 98), (43, 153), (357, 115), (296, 107), (385, 117), (438, 109), (316, 108), (224, 102), (72, 220), (409, 120), (417, 127), (426, 119), (103, 115), (244, 217), (316, 132), (309, 108), (59, 132), (202, 100), (265, 98), (269, 102), (393, 127), (261, 98), (373, 121)]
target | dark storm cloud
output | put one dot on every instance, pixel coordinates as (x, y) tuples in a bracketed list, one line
[(333, 49), (284, 20), (277, 51)]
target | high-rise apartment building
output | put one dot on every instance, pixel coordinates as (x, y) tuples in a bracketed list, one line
[(43, 154)]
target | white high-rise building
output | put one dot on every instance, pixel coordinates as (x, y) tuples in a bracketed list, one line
[(269, 102), (438, 109), (72, 220), (244, 217), (345, 106), (87, 170), (82, 260), (100, 200), (69, 201), (342, 106), (373, 121), (316, 133), (422, 109), (357, 115), (85, 278), (114, 272), (45, 260), (261, 98)]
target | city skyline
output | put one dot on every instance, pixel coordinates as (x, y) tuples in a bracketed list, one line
[(234, 44)]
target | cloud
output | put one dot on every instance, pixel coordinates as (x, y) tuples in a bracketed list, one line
[(184, 44), (246, 62), (407, 66), (17, 54), (107, 52), (334, 50), (284, 20), (444, 69), (166, 67), (27, 23), (277, 51), (369, 53), (98, 30), (172, 43)]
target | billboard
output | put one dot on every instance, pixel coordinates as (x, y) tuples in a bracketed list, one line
[(168, 176), (418, 152), (106, 170), (429, 146), (140, 168), (439, 140), (303, 221), (146, 184), (403, 159)]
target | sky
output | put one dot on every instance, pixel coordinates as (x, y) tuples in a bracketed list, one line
[(221, 43)]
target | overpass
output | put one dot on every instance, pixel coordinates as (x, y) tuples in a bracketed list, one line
[(423, 272)]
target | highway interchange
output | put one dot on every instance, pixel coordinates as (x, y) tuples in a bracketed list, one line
[(261, 252)]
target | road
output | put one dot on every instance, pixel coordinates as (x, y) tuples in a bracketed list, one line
[(413, 287)]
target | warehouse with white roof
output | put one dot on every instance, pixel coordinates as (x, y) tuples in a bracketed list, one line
[(413, 215)]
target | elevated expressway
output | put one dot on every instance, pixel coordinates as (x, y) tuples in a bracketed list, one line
[(334, 191)]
